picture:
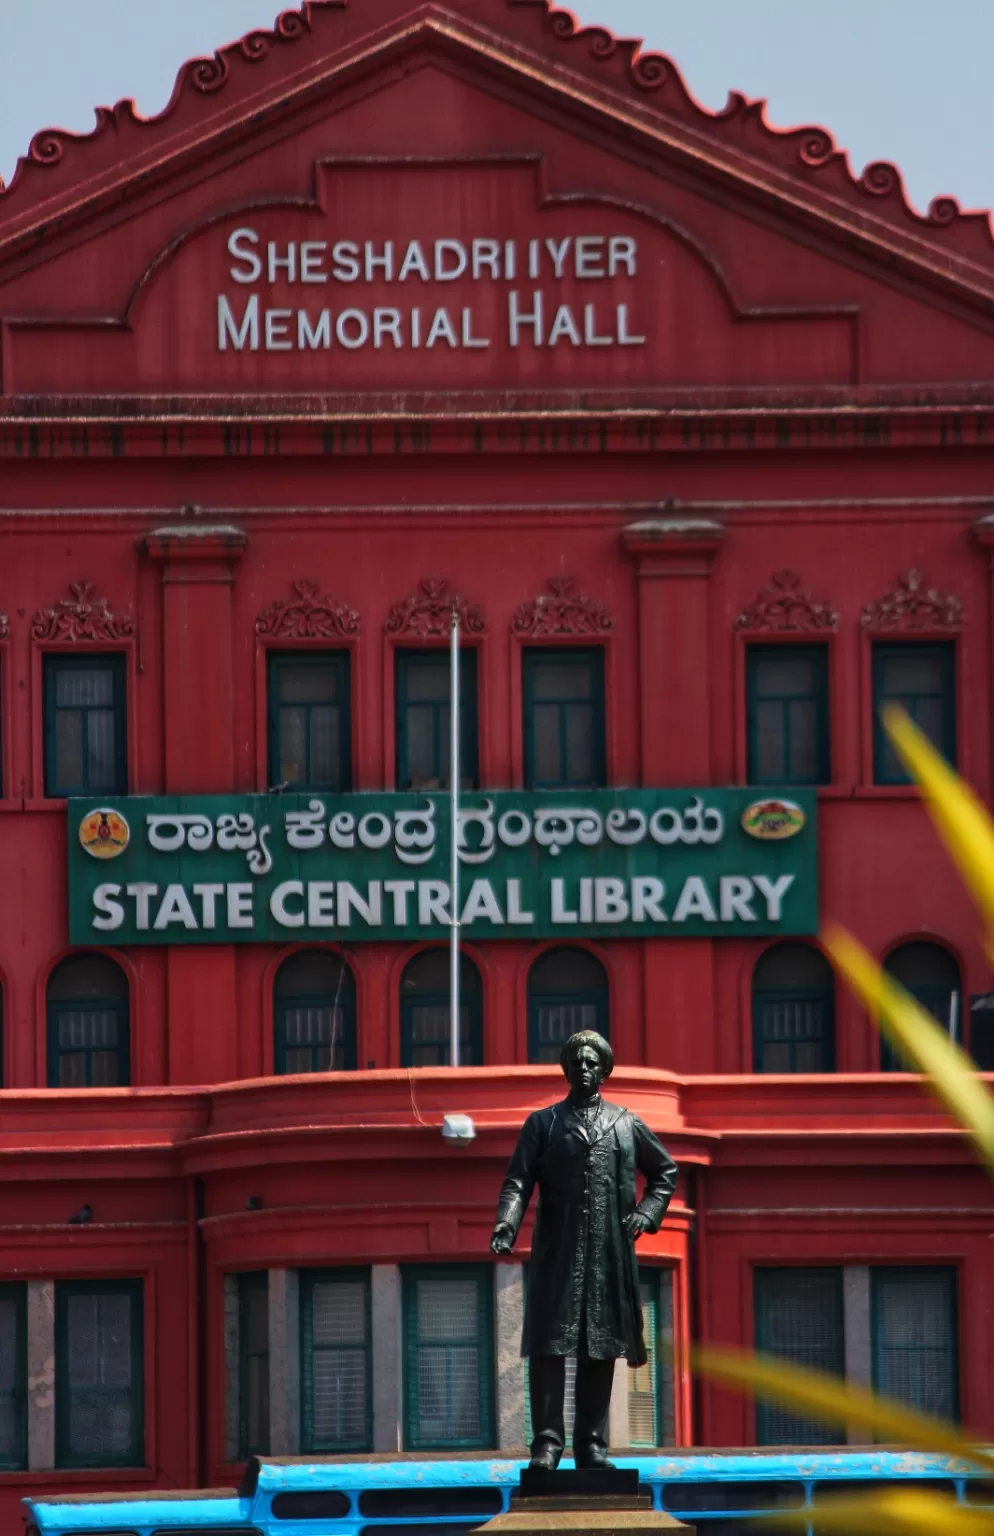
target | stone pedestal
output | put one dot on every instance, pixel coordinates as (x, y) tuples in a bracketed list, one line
[(606, 1503)]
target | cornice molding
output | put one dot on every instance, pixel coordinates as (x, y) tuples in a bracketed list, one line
[(426, 614), (562, 611), (911, 606), (82, 617), (307, 616), (784, 606)]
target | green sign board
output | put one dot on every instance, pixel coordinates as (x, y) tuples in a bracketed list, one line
[(268, 869)]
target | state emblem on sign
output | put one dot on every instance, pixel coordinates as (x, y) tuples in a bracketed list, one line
[(772, 821), (104, 833)]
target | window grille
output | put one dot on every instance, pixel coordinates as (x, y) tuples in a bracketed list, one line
[(564, 724), (914, 1338), (85, 725), (448, 1319), (567, 991), (88, 1024), (314, 1015), (337, 1361), (99, 1407), (799, 1316), (793, 1011), (651, 1401), (425, 1012), (932, 976)]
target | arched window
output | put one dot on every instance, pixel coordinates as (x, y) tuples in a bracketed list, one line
[(88, 1024), (314, 1014), (567, 991), (425, 1015), (932, 976), (793, 1011)]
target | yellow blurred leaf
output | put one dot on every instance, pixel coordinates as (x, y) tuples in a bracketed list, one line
[(890, 1512), (963, 823), (833, 1401), (919, 1039)]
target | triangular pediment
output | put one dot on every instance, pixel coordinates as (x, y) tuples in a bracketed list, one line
[(469, 197)]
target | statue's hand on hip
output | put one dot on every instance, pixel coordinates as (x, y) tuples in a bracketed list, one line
[(635, 1225), (502, 1240)]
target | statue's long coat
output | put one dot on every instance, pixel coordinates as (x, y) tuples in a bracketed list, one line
[(583, 1288)]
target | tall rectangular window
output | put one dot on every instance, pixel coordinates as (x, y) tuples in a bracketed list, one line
[(787, 714), (99, 1377), (253, 1364), (799, 1316), (13, 1377), (424, 720), (449, 1358), (336, 1361), (651, 1402), (564, 724), (914, 1338), (921, 678), (86, 746), (309, 721)]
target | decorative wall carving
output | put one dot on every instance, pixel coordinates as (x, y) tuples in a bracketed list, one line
[(784, 606), (562, 611), (82, 617), (4, 627), (911, 606), (308, 616), (427, 613)]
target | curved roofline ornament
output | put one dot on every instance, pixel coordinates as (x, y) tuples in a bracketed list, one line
[(739, 136), (912, 607), (784, 606)]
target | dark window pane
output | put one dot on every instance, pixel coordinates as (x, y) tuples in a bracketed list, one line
[(309, 744), (424, 721), (449, 1353), (13, 1376), (84, 726), (253, 1357), (787, 690), (425, 1007), (799, 1317), (579, 743), (771, 741), (793, 1006), (549, 766), (314, 1015), (567, 992), (564, 680), (99, 1375), (429, 678), (88, 1036), (931, 975), (337, 1408), (921, 678)]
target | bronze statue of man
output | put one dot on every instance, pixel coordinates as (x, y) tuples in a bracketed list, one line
[(583, 1289)]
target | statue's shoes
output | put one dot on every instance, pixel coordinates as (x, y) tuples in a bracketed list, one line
[(593, 1460), (546, 1459)]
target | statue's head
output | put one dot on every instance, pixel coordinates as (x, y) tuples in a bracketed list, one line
[(587, 1060)]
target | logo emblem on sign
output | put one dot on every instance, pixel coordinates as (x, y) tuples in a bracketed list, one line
[(773, 820), (104, 834)]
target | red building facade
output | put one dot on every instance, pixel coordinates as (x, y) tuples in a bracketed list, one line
[(396, 308)]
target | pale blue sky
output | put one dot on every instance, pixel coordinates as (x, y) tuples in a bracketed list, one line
[(903, 80)]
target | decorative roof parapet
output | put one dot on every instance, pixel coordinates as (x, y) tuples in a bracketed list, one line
[(82, 617), (427, 613), (562, 611), (911, 606), (873, 204), (308, 616), (784, 606)]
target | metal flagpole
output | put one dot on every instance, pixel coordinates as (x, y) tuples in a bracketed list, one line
[(454, 876)]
